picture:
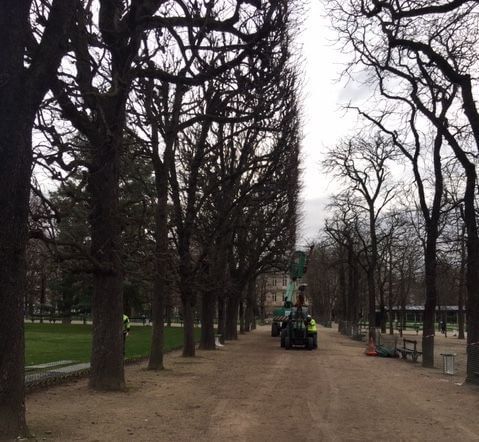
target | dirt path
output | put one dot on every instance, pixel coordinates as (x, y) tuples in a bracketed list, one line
[(252, 390)]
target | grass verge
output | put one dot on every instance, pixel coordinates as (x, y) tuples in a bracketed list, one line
[(54, 342)]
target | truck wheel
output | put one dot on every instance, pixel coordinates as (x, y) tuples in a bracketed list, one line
[(287, 342)]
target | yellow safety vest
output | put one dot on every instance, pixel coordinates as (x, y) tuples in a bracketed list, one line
[(312, 326), (126, 323)]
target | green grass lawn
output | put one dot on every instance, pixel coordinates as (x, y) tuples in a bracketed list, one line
[(55, 342)]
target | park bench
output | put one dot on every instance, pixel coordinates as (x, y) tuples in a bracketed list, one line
[(409, 348)]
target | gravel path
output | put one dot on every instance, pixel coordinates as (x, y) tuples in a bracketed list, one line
[(253, 390)]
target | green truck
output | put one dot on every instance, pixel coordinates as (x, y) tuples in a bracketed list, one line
[(294, 293)]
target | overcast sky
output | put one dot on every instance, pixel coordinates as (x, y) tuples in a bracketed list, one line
[(324, 120)]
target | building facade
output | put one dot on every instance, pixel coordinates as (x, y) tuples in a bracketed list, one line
[(271, 290)]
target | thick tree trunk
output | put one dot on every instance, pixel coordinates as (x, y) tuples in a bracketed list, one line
[(221, 316), (155, 361), (214, 295), (208, 305), (472, 278), (107, 371), (430, 266), (242, 317), (15, 166), (21, 93), (188, 325), (161, 258), (232, 307)]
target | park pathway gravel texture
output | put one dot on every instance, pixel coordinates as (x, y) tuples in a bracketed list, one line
[(253, 390)]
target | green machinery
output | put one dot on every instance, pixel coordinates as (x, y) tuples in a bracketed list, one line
[(295, 332), (288, 321)]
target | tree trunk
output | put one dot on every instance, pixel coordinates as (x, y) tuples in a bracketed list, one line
[(15, 166), (221, 316), (232, 306), (390, 291), (188, 325), (242, 317), (161, 255), (354, 291), (382, 309), (371, 304), (371, 273), (155, 361), (21, 93), (214, 293), (472, 278), (107, 371), (250, 306), (344, 293), (462, 281), (208, 305)]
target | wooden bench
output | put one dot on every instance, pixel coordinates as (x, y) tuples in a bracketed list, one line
[(409, 347)]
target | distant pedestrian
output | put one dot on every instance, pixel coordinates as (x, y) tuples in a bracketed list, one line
[(443, 328), (312, 330), (126, 331)]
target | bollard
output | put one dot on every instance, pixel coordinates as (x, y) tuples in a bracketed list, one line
[(448, 360)]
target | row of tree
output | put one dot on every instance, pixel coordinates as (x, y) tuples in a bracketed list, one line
[(409, 199), (171, 129)]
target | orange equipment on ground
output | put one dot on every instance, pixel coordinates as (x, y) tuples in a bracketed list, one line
[(371, 348)]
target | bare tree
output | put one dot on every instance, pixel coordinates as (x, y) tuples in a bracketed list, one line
[(29, 59), (427, 51), (361, 164)]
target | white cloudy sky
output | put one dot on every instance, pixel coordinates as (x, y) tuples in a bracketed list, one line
[(324, 120)]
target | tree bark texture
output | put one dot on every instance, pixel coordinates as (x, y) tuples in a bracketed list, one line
[(208, 307), (160, 284), (107, 371), (431, 301), (232, 308), (15, 151), (472, 278), (162, 247), (241, 317), (188, 325), (461, 288), (222, 316), (21, 92)]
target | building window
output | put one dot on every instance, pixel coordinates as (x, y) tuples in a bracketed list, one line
[(285, 280), (274, 297)]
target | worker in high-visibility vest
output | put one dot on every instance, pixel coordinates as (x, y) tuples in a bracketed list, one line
[(126, 330), (312, 330)]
